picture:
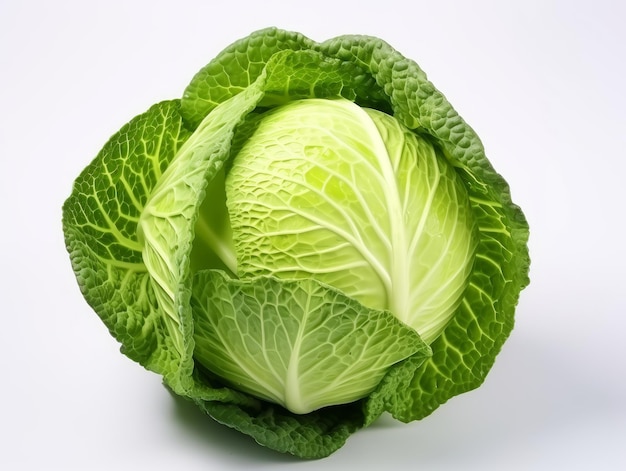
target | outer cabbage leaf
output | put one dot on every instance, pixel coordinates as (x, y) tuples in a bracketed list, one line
[(101, 222), (100, 225), (308, 73)]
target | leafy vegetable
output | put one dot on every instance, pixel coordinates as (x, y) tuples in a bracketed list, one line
[(309, 238)]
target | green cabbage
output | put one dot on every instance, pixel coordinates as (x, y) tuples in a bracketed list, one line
[(310, 237)]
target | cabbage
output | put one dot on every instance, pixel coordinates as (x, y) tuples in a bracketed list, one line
[(309, 238)]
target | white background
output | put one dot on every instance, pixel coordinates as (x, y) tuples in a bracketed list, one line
[(542, 82)]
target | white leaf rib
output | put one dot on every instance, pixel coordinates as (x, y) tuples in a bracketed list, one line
[(293, 393), (398, 272)]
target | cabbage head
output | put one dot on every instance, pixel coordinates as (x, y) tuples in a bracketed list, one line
[(309, 238)]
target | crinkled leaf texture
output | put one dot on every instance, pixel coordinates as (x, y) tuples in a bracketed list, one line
[(298, 343), (129, 228)]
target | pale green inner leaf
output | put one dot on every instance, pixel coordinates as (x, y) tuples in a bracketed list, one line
[(327, 189)]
